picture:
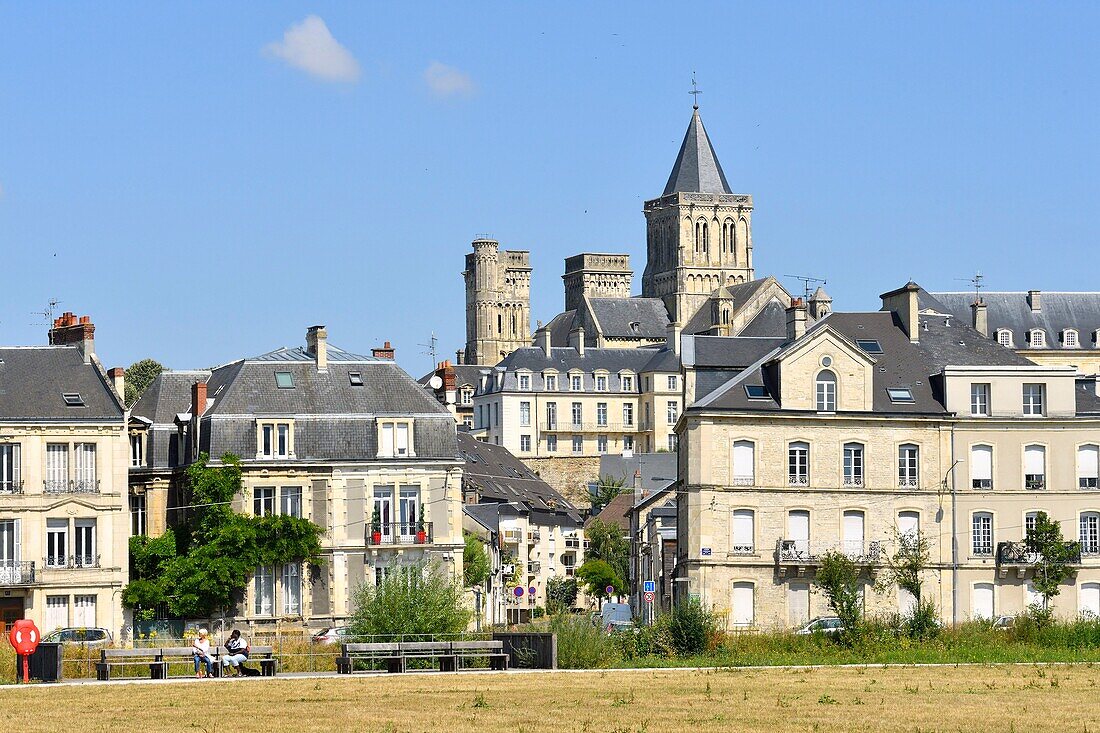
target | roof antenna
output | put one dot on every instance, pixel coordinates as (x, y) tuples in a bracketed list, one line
[(695, 92), (47, 313), (806, 280), (429, 349), (976, 281)]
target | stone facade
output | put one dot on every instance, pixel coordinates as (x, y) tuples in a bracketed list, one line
[(596, 276), (498, 302)]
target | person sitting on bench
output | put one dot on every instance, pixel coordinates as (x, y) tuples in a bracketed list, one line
[(237, 651), (200, 648)]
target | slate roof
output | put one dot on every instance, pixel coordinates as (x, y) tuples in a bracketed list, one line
[(560, 326), (168, 395), (488, 515), (658, 470), (1088, 401), (617, 512), (770, 321), (34, 378), (697, 169), (1058, 312), (615, 316), (718, 359), (465, 374), (299, 353), (565, 359), (501, 477), (738, 295)]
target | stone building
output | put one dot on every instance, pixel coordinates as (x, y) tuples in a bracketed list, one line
[(325, 434), (498, 302), (863, 426), (63, 458), (453, 385)]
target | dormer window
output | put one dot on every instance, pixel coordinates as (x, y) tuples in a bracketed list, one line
[(551, 382), (576, 383), (275, 439), (524, 382), (825, 391), (1069, 339), (1037, 338), (73, 399), (601, 382), (1004, 337), (626, 382), (284, 380), (395, 439), (900, 394), (466, 396)]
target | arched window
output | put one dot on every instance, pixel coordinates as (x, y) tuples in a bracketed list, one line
[(798, 464), (701, 236), (742, 532), (1037, 338), (908, 466), (981, 467), (853, 464), (981, 534), (1004, 337), (825, 391), (728, 236), (744, 463), (1069, 339), (1035, 467)]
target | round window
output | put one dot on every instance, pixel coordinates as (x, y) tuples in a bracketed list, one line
[(826, 361)]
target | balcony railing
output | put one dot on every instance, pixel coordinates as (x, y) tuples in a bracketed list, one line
[(399, 533), (1018, 554), (747, 480), (798, 479), (590, 427), (853, 481), (1087, 483), (1035, 481), (16, 573), (11, 487), (743, 549), (53, 486), (572, 543), (801, 552), (72, 562), (533, 537)]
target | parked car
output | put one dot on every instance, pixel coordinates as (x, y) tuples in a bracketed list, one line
[(334, 635), (828, 625), (620, 627), (1003, 623), (88, 636)]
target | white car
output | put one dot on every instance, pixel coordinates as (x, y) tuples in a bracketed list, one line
[(828, 625)]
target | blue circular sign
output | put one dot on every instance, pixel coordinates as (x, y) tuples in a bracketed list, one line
[(518, 592), (531, 591), (609, 589)]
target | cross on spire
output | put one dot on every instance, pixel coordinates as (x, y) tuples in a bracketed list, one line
[(695, 92)]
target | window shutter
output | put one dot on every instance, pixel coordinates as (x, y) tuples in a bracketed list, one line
[(799, 522), (743, 459), (981, 462), (908, 523), (743, 604), (16, 463), (387, 440), (402, 439), (18, 529), (1087, 461), (982, 602), (743, 527), (853, 531), (1035, 460)]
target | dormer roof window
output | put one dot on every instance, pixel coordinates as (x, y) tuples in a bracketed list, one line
[(1037, 338), (1004, 337), (284, 380), (1070, 339), (73, 399)]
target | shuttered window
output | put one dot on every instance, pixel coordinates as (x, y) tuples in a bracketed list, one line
[(744, 461), (743, 540), (743, 602), (981, 467)]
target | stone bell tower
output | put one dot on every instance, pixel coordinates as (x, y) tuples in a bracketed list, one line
[(498, 301)]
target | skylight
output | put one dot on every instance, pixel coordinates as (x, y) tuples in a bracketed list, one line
[(869, 345), (356, 379), (284, 380), (900, 394), (73, 399), (756, 392)]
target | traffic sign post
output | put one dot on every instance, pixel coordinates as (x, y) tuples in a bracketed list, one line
[(24, 638), (649, 586), (649, 596)]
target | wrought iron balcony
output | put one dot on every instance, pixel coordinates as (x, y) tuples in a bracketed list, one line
[(1017, 554), (399, 533), (16, 573), (908, 482), (747, 480), (72, 562), (11, 487), (1035, 481), (801, 554), (54, 486), (798, 479), (572, 543)]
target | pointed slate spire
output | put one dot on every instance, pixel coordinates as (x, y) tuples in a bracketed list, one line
[(697, 169)]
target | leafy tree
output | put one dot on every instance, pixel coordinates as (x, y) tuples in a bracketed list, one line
[(418, 600), (561, 594), (475, 561), (204, 566), (607, 488), (1051, 556), (903, 569), (607, 542), (139, 376), (598, 575), (691, 627), (838, 579)]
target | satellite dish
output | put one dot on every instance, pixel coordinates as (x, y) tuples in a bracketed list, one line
[(435, 382)]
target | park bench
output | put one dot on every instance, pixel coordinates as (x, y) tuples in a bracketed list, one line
[(390, 654), (111, 658), (493, 650), (449, 654), (263, 655)]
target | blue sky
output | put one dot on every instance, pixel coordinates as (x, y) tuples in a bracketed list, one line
[(207, 181)]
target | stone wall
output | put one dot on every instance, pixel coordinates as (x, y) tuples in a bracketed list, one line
[(570, 475)]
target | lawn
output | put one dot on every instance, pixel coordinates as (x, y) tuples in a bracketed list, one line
[(986, 698)]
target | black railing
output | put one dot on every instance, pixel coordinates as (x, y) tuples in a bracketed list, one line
[(71, 562), (11, 487), (16, 573), (399, 533), (800, 552), (1017, 553)]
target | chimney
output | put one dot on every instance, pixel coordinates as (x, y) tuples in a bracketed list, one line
[(67, 329), (903, 304), (198, 399), (980, 321), (542, 340), (460, 357), (796, 319), (1034, 300), (672, 337), (317, 346), (637, 485), (447, 372), (118, 378), (576, 339), (385, 351)]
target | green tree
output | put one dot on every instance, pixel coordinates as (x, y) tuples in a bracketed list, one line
[(139, 376), (561, 594), (838, 579), (1052, 558), (598, 575), (607, 488), (607, 542), (904, 567), (475, 561), (417, 600)]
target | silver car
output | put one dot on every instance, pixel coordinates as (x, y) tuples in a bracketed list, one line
[(86, 635), (828, 625)]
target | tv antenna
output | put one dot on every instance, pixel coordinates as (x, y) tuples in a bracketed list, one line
[(47, 314), (430, 348), (977, 281), (807, 284)]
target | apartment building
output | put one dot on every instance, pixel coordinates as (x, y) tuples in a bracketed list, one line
[(866, 425), (548, 402), (349, 441), (63, 460), (532, 532)]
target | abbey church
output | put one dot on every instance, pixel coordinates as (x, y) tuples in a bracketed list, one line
[(698, 279)]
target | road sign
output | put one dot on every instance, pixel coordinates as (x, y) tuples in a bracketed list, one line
[(705, 552), (649, 586), (649, 596), (518, 592), (532, 590), (609, 589)]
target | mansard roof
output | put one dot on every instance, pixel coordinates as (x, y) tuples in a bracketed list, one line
[(168, 395), (697, 169), (34, 380), (1011, 310), (499, 476), (630, 318)]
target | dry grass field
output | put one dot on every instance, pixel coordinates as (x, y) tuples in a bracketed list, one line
[(988, 698)]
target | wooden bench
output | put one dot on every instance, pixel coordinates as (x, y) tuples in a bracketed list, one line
[(493, 650), (438, 650), (265, 655), (352, 652), (110, 658)]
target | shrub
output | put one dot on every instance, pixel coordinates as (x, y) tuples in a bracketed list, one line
[(923, 622), (582, 645), (418, 600), (691, 628), (838, 579)]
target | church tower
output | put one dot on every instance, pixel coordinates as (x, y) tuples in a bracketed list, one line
[(498, 302), (699, 233)]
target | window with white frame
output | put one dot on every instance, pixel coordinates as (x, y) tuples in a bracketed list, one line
[(744, 602), (57, 467), (601, 414), (853, 527), (290, 501), (525, 382), (797, 544), (672, 411), (11, 480), (908, 525), (57, 543), (1004, 337), (673, 382), (577, 412), (264, 590), (1034, 399), (524, 414), (798, 464), (275, 439), (550, 382), (981, 534), (1037, 338), (628, 442), (84, 543), (263, 501), (551, 415), (1088, 461), (744, 463), (84, 470), (396, 439), (672, 442), (981, 603), (628, 415), (576, 383), (578, 444), (1070, 339), (1030, 520), (1035, 467), (137, 450), (908, 466), (825, 391), (626, 382), (466, 396), (981, 467), (853, 464), (525, 443), (601, 382), (292, 589), (743, 532), (979, 399), (1090, 533), (551, 444), (138, 515), (601, 444)]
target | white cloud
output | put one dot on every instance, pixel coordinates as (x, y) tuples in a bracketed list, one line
[(309, 46), (447, 81)]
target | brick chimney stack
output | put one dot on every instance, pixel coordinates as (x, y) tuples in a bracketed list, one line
[(198, 398), (385, 351), (796, 319), (68, 329), (317, 346)]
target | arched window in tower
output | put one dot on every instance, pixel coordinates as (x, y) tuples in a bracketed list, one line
[(728, 237), (514, 331), (701, 236)]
